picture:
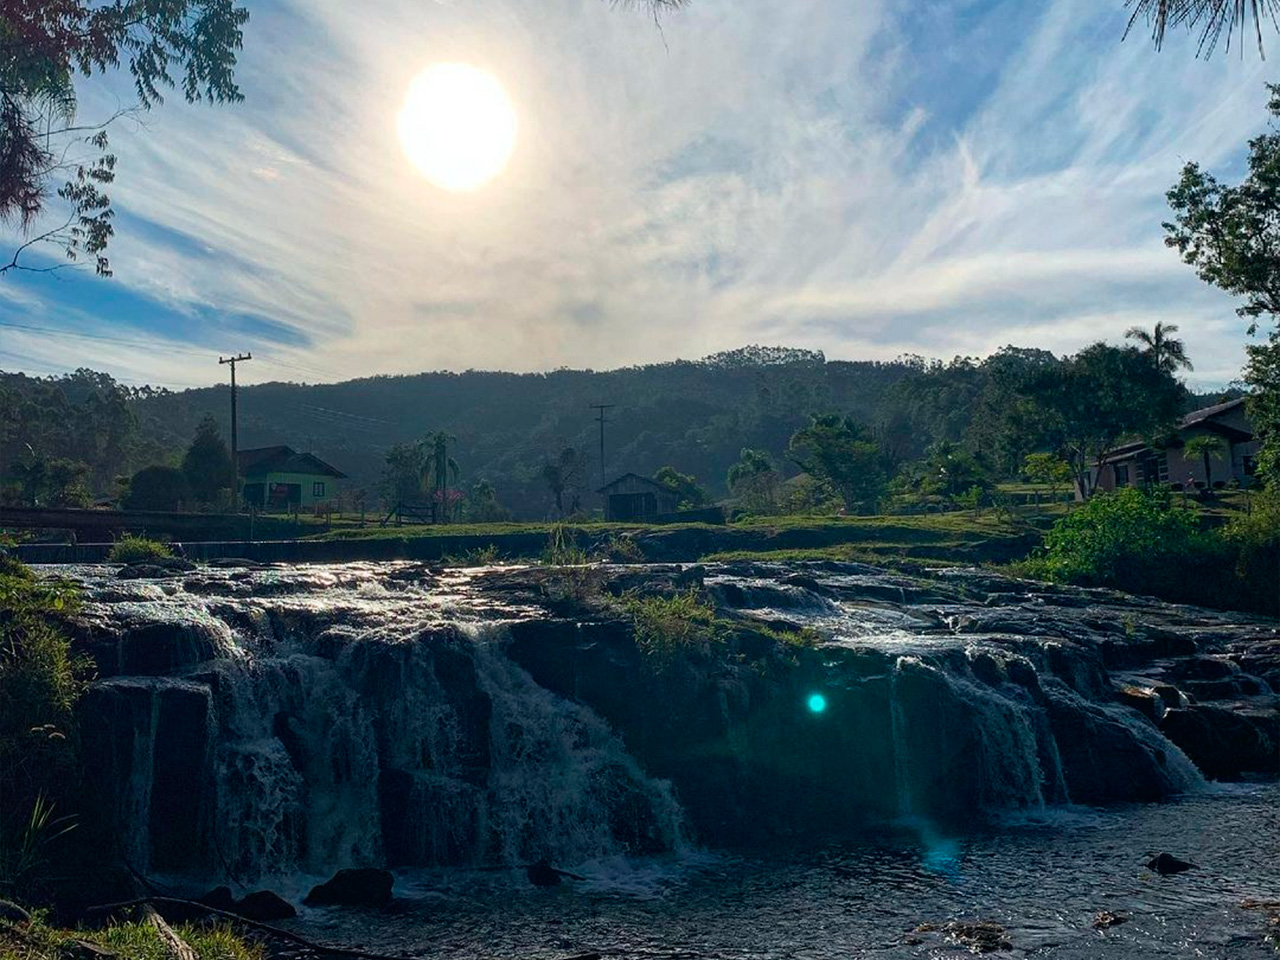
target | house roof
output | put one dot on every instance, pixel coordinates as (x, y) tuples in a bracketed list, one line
[(1209, 413), (1203, 419), (282, 459), (635, 476)]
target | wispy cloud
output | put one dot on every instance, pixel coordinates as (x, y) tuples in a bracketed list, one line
[(822, 173)]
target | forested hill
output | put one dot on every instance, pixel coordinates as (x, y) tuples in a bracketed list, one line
[(695, 416)]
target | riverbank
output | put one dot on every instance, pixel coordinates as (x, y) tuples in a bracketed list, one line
[(942, 538)]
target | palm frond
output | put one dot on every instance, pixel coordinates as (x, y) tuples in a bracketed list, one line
[(1213, 19)]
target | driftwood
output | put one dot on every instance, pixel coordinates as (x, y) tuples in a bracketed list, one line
[(174, 946)]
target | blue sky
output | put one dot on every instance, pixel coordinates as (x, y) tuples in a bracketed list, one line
[(938, 177)]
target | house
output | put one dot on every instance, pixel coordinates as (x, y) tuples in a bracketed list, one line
[(632, 497), (279, 479), (1141, 464)]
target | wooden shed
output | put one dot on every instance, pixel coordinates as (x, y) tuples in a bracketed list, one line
[(632, 497)]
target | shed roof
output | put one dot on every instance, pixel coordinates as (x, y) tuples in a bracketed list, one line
[(635, 477), (283, 459)]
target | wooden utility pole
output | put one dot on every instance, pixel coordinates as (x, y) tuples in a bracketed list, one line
[(600, 408), (235, 439)]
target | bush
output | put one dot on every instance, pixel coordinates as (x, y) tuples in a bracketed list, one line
[(138, 550), (1255, 537), (157, 488), (1141, 542), (40, 681), (665, 626)]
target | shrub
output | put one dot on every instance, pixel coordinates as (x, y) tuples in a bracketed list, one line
[(1141, 542), (157, 488), (138, 550), (1255, 537), (40, 681), (665, 626)]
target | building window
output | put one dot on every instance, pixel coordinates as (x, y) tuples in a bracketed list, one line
[(1122, 474), (317, 488)]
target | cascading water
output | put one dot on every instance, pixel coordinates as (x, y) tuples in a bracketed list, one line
[(264, 722), (352, 729)]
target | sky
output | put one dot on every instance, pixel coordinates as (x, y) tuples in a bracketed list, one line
[(934, 177)]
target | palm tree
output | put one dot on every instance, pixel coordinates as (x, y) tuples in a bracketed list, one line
[(1211, 18), (1168, 353), (1204, 445), (437, 467)]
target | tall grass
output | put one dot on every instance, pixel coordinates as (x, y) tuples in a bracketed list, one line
[(40, 681)]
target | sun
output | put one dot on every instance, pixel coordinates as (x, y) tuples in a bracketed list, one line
[(457, 126)]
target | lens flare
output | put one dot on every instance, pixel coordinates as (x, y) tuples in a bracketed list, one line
[(817, 702)]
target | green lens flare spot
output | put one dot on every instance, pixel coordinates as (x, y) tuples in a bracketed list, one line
[(817, 703)]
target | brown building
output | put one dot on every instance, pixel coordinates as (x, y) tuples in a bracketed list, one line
[(632, 497), (1140, 464)]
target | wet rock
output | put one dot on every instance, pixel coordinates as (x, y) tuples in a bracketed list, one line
[(543, 874), (1143, 699), (1108, 919), (1166, 865), (264, 906), (981, 937), (1225, 744), (219, 898), (366, 887)]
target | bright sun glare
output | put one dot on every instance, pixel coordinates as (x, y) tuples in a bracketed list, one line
[(457, 126)]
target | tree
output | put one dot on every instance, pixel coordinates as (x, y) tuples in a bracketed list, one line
[(157, 488), (1169, 354), (754, 481), (191, 44), (1211, 18), (564, 477), (1230, 235), (840, 452), (207, 464), (1103, 394), (438, 467), (402, 473), (1207, 446), (482, 504), (685, 486), (1048, 469)]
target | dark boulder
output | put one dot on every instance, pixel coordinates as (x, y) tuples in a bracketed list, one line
[(219, 898), (365, 887), (264, 906), (543, 874), (1166, 865)]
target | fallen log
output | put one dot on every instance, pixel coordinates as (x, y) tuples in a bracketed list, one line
[(175, 947)]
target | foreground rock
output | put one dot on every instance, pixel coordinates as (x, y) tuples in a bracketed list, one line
[(366, 887), (264, 906)]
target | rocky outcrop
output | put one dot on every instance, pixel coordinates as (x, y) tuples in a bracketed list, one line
[(254, 721)]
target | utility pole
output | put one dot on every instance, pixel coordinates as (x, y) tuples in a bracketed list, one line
[(235, 440), (600, 408)]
